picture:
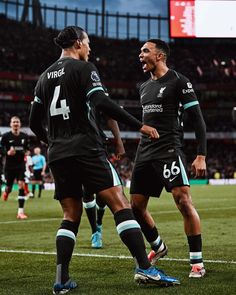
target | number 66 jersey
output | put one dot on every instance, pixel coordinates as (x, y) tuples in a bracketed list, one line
[(163, 103)]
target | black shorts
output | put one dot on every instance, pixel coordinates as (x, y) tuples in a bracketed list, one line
[(95, 173), (149, 178), (37, 175), (16, 173)]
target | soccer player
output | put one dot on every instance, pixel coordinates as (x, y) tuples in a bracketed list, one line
[(95, 207), (39, 168), (66, 95), (161, 163), (14, 144)]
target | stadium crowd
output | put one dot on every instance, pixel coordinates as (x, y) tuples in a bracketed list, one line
[(205, 64), (201, 63)]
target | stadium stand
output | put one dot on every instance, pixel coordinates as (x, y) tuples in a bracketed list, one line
[(211, 67)]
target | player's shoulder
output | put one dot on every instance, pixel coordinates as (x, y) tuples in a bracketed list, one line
[(6, 134), (76, 63), (144, 84), (82, 68), (179, 76), (88, 65), (24, 135), (68, 65)]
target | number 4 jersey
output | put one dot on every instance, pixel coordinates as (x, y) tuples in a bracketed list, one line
[(64, 90), (163, 102)]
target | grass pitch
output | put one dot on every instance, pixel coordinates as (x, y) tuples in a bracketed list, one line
[(27, 248)]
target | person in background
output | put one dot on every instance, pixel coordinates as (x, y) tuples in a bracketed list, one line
[(39, 168), (14, 144)]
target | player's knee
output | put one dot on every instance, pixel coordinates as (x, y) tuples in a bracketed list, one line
[(72, 209), (115, 199), (72, 216)]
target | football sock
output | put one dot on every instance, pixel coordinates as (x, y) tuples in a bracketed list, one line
[(21, 200), (195, 250), (100, 213), (152, 236), (40, 190), (33, 188), (90, 208), (155, 240), (65, 241), (131, 235)]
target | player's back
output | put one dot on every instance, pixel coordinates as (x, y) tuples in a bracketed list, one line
[(64, 97), (62, 89)]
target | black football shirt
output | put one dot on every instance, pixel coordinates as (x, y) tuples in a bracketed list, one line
[(163, 103), (64, 90), (20, 143)]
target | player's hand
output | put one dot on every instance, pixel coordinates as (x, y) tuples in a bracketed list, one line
[(150, 131), (120, 150), (199, 166), (11, 151)]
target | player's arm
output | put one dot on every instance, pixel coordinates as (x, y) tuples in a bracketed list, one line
[(114, 127), (199, 164), (95, 93), (36, 119), (44, 166), (6, 150), (192, 108), (110, 108)]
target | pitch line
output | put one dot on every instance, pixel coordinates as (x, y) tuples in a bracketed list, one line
[(153, 213), (107, 256), (30, 220)]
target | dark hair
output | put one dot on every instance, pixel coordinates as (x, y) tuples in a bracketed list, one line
[(67, 37), (162, 45)]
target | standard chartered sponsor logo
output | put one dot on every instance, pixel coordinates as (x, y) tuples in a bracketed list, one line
[(153, 108)]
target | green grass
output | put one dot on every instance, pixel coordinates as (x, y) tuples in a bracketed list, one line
[(33, 274)]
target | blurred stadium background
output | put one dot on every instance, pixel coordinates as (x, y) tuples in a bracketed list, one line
[(207, 56), (27, 49)]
